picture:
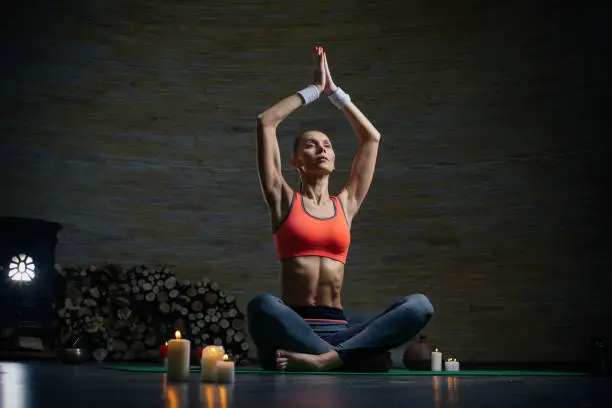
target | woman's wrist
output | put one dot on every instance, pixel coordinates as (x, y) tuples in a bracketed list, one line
[(310, 94), (331, 89), (339, 98)]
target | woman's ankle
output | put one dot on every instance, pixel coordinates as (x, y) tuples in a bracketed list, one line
[(329, 361)]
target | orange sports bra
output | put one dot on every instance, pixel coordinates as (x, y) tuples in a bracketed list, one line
[(302, 234)]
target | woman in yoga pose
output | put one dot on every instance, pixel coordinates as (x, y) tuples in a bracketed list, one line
[(305, 329)]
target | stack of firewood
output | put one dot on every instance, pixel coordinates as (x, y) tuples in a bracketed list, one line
[(127, 314)]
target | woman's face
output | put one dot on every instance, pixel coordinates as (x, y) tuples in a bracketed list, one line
[(314, 153)]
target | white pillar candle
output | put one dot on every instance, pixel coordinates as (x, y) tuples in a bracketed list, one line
[(436, 361), (224, 371), (208, 362), (178, 358)]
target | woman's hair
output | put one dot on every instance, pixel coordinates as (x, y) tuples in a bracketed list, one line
[(296, 144)]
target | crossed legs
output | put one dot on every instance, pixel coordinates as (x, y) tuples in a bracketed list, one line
[(281, 335)]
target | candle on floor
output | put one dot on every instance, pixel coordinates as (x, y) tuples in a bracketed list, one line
[(448, 365), (163, 351), (455, 365), (208, 362), (436, 360), (224, 371), (178, 358)]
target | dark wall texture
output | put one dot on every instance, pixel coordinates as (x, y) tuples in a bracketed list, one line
[(133, 125)]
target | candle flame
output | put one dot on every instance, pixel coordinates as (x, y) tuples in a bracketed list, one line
[(213, 349), (436, 349), (225, 357), (177, 334), (454, 359), (166, 343)]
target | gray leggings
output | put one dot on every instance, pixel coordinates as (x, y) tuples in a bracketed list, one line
[(274, 325)]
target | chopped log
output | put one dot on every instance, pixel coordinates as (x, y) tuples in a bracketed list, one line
[(170, 283), (197, 306), (94, 292), (238, 324), (150, 340), (128, 313), (210, 298), (100, 354), (162, 296), (164, 308)]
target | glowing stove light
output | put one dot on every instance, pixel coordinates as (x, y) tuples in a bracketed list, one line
[(22, 268)]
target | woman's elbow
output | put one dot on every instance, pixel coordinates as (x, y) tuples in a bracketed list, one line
[(265, 119)]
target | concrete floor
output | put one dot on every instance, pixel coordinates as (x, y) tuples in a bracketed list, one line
[(52, 384)]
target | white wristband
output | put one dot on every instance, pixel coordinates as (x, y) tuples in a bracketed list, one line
[(309, 94), (339, 98)]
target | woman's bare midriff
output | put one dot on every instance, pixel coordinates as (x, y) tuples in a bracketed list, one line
[(312, 281)]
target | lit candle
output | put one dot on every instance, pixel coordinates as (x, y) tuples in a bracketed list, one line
[(208, 362), (224, 371), (455, 365), (163, 351), (178, 358), (436, 361), (448, 365)]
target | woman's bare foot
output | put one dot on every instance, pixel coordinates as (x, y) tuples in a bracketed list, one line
[(281, 361), (292, 361)]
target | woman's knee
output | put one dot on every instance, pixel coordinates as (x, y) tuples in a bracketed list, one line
[(261, 304), (419, 304)]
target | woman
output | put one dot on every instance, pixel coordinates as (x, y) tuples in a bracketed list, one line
[(306, 329)]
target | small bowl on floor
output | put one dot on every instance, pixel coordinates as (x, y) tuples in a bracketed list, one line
[(73, 355)]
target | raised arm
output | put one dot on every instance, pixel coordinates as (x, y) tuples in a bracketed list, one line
[(364, 162), (268, 152)]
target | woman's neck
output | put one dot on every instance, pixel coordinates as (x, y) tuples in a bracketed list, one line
[(316, 188)]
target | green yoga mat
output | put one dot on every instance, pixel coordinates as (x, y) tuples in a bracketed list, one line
[(196, 369)]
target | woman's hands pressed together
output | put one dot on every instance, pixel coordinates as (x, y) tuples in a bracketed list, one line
[(330, 86), (321, 75)]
